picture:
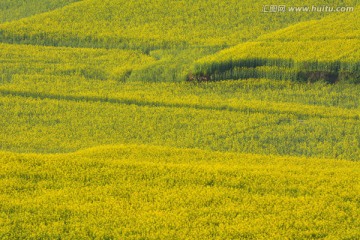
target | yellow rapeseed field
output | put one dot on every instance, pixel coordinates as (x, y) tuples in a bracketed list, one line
[(124, 119), (149, 192)]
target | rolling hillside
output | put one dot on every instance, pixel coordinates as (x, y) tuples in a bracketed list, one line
[(112, 125)]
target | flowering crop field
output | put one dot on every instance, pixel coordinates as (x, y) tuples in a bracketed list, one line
[(149, 192), (167, 119), (63, 114), (178, 160)]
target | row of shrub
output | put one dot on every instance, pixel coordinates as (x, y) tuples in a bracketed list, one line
[(279, 69)]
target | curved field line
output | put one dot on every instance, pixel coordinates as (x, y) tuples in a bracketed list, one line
[(270, 108)]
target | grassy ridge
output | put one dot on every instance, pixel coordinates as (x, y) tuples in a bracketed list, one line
[(134, 192)]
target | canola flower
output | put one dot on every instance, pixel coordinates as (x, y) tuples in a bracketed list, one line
[(143, 191)]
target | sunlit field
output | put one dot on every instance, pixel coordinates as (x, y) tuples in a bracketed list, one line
[(178, 120)]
